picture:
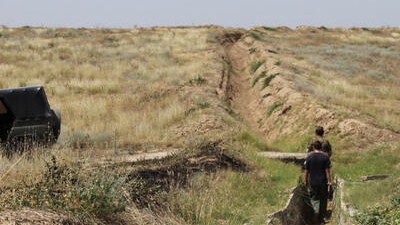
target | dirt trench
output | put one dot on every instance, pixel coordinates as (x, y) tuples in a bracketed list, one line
[(233, 83), (236, 90)]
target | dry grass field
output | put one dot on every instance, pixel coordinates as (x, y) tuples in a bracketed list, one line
[(124, 92)]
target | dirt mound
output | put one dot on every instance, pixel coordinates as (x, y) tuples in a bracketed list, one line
[(262, 88), (175, 172), (366, 133), (229, 38), (30, 216)]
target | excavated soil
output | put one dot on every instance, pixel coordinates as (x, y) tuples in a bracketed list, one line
[(278, 109), (160, 176)]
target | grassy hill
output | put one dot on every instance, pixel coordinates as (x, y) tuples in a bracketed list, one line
[(208, 94)]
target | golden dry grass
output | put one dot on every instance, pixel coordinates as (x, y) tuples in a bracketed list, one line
[(106, 81), (352, 68), (118, 90)]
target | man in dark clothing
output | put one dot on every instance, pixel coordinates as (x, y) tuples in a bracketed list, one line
[(319, 136), (317, 177)]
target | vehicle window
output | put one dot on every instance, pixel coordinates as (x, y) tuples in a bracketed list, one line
[(3, 109)]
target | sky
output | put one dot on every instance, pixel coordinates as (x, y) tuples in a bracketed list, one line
[(229, 13)]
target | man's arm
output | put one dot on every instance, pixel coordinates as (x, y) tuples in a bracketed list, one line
[(328, 176), (306, 177)]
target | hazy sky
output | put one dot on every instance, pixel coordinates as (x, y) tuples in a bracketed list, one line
[(233, 13)]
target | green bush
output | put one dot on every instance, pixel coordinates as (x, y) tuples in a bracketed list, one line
[(379, 215)]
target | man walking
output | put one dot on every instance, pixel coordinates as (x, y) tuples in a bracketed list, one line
[(317, 177), (319, 136)]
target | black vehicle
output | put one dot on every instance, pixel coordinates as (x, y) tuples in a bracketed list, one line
[(26, 118)]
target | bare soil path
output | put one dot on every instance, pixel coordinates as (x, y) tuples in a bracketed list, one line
[(242, 100)]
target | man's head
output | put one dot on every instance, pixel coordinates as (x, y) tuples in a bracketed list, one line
[(317, 145), (319, 131)]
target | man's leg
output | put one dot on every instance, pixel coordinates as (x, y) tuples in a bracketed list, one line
[(323, 200), (315, 202)]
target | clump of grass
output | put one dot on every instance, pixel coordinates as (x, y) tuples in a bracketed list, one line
[(273, 107), (199, 106), (260, 76), (65, 188), (198, 80), (255, 65), (229, 109), (256, 35), (79, 140), (203, 105), (252, 50), (269, 28), (268, 79)]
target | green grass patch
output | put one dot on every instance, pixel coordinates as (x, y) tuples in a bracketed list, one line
[(255, 65), (197, 80), (353, 166), (273, 107), (292, 143), (229, 197), (382, 215), (252, 140), (260, 76), (379, 191), (268, 80), (380, 160)]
